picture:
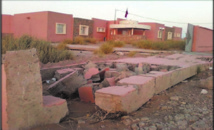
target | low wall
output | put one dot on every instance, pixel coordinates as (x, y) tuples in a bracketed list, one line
[(127, 37)]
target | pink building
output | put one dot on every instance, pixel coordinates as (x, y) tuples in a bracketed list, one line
[(100, 29), (46, 25), (156, 32), (55, 27)]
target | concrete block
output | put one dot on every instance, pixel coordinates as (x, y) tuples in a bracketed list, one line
[(111, 73), (108, 82), (67, 85), (162, 80), (132, 93), (62, 73), (22, 99), (86, 93), (91, 71)]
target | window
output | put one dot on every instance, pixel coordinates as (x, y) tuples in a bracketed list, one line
[(60, 28), (160, 33), (83, 30), (169, 37), (100, 29)]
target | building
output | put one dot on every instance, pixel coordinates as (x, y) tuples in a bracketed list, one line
[(55, 27)]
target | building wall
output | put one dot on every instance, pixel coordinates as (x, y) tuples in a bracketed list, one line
[(99, 23), (202, 39), (152, 34), (176, 31), (80, 21), (7, 24), (169, 29), (33, 24), (54, 18)]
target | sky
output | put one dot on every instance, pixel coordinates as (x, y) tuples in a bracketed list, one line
[(170, 13)]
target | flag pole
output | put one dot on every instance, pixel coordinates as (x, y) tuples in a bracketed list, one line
[(115, 16)]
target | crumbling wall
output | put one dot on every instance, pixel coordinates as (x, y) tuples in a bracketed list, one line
[(23, 100)]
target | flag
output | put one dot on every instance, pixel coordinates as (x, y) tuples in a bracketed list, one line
[(126, 13)]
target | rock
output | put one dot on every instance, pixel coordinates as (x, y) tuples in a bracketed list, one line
[(144, 119), (204, 91), (136, 120), (127, 122), (142, 68), (121, 67), (124, 74), (134, 127), (182, 124), (179, 117), (174, 98), (125, 117), (107, 82), (152, 128), (120, 53), (141, 124), (102, 126), (206, 83), (111, 73)]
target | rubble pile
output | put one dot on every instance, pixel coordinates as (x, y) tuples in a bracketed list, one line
[(83, 81)]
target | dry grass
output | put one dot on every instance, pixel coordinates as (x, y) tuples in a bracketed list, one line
[(46, 52), (160, 45), (90, 40), (106, 48), (116, 43), (67, 41), (79, 40), (62, 46)]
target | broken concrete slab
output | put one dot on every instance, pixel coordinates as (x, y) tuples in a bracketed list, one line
[(23, 101), (107, 82), (86, 93), (62, 72), (111, 73), (89, 72), (67, 85), (126, 99)]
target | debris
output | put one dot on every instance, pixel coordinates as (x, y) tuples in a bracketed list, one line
[(54, 79), (210, 68), (184, 81), (90, 65), (102, 126), (120, 53), (89, 72), (121, 67), (175, 98), (47, 81), (67, 85), (204, 91), (81, 122)]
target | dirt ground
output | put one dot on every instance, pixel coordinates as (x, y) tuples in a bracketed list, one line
[(180, 107)]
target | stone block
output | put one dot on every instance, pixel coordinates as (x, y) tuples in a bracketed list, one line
[(108, 82), (62, 73), (22, 99)]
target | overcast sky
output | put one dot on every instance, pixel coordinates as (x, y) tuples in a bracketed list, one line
[(180, 12)]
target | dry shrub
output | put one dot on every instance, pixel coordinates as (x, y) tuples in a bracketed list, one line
[(90, 40), (99, 53), (132, 53), (117, 43), (62, 46), (46, 52), (79, 40), (106, 48), (68, 41), (160, 45)]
